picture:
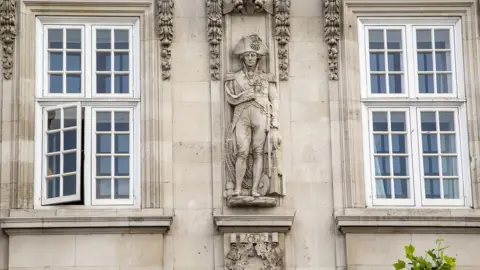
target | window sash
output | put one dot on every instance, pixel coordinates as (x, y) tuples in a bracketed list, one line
[(62, 198)]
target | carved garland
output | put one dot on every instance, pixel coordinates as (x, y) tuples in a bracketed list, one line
[(332, 35), (215, 11), (165, 33), (282, 34), (8, 33)]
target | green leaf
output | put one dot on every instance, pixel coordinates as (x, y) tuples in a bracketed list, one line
[(410, 249), (399, 265)]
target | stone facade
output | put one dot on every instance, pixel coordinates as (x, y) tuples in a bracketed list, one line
[(309, 210)]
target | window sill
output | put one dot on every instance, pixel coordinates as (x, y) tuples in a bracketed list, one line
[(254, 223), (409, 221), (32, 222)]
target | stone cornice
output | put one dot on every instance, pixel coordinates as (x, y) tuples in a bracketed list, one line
[(85, 224), (409, 3), (253, 223)]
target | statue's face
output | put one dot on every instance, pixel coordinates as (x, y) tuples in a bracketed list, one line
[(250, 59)]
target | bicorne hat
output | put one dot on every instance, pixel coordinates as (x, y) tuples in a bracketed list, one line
[(252, 43)]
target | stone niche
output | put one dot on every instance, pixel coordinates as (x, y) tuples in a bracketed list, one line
[(254, 251), (262, 181)]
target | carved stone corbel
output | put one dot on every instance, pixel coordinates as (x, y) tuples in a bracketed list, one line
[(8, 33), (165, 33), (332, 35)]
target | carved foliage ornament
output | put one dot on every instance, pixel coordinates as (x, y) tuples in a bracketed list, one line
[(8, 33), (332, 35), (165, 34), (215, 11), (262, 245)]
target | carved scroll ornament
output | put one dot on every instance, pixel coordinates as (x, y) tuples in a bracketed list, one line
[(215, 33), (332, 35), (165, 33), (282, 34), (8, 33)]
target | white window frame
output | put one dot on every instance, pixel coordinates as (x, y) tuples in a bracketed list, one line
[(411, 101), (89, 102)]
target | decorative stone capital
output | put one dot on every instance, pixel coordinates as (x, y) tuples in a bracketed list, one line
[(165, 33), (8, 33), (332, 35)]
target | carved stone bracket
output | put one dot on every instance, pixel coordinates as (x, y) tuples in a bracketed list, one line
[(8, 33), (332, 35), (246, 247), (282, 34), (216, 9), (165, 33)]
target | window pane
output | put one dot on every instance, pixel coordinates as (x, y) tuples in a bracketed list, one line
[(449, 166), (424, 39), (104, 188), (56, 61), (399, 144), (122, 143), (69, 139), (425, 83), (53, 142), (104, 83), (55, 38), (381, 144), (122, 188), (53, 165), (401, 188), (383, 188), (450, 189), (104, 121), (74, 61), (121, 39), (122, 166), (69, 162), (74, 39), (121, 61), (382, 166), (378, 84), (395, 83), (104, 144), (104, 39), (442, 61), (104, 166), (444, 83), (395, 62), (429, 143), (56, 83), (121, 84), (104, 61), (380, 121), (53, 187), (70, 117), (432, 188), (448, 143), (69, 185), (430, 166), (400, 166), (376, 39), (377, 61), (74, 83), (447, 122), (429, 122), (442, 39), (398, 121), (54, 119), (394, 39), (122, 121), (425, 61)]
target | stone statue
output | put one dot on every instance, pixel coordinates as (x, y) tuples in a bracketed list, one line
[(252, 138)]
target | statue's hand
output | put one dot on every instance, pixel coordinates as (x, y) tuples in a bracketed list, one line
[(249, 95), (275, 137)]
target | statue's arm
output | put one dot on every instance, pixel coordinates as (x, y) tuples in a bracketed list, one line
[(273, 96), (234, 99)]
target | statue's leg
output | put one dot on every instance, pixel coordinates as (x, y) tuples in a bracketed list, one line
[(243, 135), (259, 136)]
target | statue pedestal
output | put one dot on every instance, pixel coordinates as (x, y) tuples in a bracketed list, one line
[(248, 201)]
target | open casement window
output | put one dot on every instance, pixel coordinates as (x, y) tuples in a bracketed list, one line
[(87, 109), (62, 132), (414, 113)]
